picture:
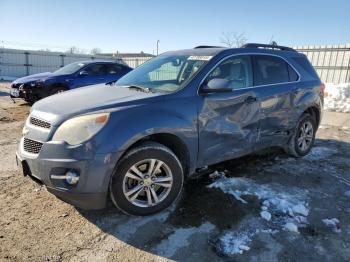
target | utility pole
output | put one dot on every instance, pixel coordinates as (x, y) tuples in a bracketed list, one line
[(157, 46)]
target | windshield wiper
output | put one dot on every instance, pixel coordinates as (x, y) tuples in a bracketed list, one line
[(140, 88)]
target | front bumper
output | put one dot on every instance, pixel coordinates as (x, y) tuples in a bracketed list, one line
[(56, 159), (28, 93)]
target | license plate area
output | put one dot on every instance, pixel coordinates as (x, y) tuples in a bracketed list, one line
[(14, 92)]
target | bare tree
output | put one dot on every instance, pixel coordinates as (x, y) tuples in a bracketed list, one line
[(75, 50), (95, 51), (233, 39)]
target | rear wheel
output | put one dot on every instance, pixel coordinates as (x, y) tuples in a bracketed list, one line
[(303, 139), (147, 180)]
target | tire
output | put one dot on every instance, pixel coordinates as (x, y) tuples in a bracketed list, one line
[(295, 147), (136, 192)]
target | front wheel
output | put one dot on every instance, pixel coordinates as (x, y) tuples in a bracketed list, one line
[(303, 138), (147, 180)]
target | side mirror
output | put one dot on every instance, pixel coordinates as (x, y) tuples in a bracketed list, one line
[(83, 73), (216, 85)]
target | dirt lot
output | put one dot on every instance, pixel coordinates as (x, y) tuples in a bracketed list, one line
[(267, 207)]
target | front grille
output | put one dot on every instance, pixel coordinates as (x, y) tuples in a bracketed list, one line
[(37, 122), (32, 146)]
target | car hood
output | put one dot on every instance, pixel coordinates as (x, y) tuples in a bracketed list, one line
[(31, 78), (60, 107)]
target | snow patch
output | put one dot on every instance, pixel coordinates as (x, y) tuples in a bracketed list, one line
[(319, 153), (347, 194), (337, 97), (291, 227), (332, 223), (265, 214), (234, 243), (278, 206), (180, 238)]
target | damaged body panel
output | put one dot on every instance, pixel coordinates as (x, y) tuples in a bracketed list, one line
[(178, 112)]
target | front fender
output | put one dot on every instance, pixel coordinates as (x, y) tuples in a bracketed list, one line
[(126, 127)]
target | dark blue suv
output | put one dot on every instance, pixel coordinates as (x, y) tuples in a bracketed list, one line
[(138, 140), (34, 87)]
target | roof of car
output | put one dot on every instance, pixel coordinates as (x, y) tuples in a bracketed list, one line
[(99, 61), (212, 51)]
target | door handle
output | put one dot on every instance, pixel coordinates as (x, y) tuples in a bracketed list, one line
[(250, 99)]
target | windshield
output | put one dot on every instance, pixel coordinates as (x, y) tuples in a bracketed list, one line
[(166, 73), (70, 69)]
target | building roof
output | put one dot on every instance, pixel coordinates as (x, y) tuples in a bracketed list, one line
[(127, 55)]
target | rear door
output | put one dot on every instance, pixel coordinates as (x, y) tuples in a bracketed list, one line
[(275, 82), (228, 122)]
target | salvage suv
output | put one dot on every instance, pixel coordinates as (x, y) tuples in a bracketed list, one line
[(138, 140)]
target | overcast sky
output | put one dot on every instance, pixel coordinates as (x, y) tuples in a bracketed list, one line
[(134, 26)]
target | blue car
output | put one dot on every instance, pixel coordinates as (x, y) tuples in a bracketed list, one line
[(138, 139), (34, 87)]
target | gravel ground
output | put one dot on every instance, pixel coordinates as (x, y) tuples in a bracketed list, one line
[(219, 216)]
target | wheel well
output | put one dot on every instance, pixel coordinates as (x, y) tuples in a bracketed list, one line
[(313, 111), (58, 85), (171, 141)]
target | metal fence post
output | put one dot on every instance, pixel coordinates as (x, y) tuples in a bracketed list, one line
[(27, 62), (62, 59)]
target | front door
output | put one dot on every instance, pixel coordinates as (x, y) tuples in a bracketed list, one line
[(91, 75), (228, 122)]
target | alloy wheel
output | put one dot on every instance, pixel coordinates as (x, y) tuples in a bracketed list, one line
[(147, 183), (305, 136)]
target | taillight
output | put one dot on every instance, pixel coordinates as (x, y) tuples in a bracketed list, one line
[(322, 87)]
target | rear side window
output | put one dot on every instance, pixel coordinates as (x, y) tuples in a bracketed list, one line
[(293, 76), (306, 65), (270, 70), (97, 69), (112, 69)]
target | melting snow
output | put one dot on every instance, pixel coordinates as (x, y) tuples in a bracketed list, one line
[(347, 193), (265, 214), (332, 223), (274, 198), (180, 238), (291, 227), (284, 210), (319, 153), (234, 243), (337, 97)]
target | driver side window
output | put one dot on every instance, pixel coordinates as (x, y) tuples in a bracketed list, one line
[(237, 70)]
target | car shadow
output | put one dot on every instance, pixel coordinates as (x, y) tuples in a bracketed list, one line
[(197, 205), (2, 93)]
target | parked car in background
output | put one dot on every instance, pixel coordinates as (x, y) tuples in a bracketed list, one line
[(34, 87), (139, 139)]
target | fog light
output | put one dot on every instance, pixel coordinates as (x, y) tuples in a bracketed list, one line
[(72, 177)]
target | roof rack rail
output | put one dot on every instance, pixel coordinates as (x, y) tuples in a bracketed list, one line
[(207, 46), (272, 46)]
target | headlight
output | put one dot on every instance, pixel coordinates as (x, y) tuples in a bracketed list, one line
[(80, 129)]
